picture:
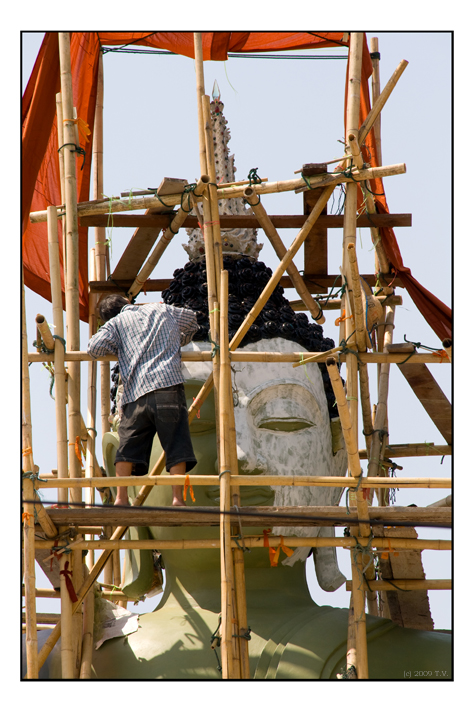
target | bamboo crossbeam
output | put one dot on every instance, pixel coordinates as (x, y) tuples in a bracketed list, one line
[(252, 199), (249, 356), (410, 584), (336, 303), (116, 204), (49, 482), (396, 544), (165, 239), (421, 449), (381, 101)]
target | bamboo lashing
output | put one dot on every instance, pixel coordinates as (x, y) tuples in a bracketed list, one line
[(165, 239), (115, 204), (274, 238)]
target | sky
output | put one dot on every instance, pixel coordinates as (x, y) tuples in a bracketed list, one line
[(282, 114)]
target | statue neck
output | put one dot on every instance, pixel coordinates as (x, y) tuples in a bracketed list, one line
[(266, 586)]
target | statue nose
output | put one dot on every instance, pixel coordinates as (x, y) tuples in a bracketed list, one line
[(249, 464)]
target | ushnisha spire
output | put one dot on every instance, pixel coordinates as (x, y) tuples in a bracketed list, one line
[(236, 242)]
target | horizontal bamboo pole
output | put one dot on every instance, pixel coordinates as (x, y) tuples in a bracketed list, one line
[(336, 303), (396, 544), (251, 356), (116, 204), (245, 480), (421, 449), (415, 584)]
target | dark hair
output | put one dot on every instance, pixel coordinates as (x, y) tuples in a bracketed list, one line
[(111, 305), (247, 279)]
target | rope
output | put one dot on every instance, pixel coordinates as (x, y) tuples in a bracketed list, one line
[(253, 177), (216, 645), (240, 535), (79, 150), (352, 489)]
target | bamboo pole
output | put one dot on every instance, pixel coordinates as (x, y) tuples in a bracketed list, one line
[(165, 239), (72, 297), (409, 584), (116, 204), (229, 660), (150, 480), (92, 392), (28, 510), (88, 629), (59, 348), (381, 413), (252, 542), (67, 637), (45, 332), (59, 123), (259, 211), (298, 359), (381, 101), (375, 95)]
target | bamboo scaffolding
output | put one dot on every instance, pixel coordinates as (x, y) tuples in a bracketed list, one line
[(28, 511), (249, 356), (92, 390), (116, 204), (59, 126), (165, 239), (347, 542), (259, 211), (336, 303)]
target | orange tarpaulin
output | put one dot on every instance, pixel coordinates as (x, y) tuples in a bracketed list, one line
[(40, 173)]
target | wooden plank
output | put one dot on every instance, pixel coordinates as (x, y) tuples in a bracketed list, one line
[(153, 219), (264, 515), (315, 284), (430, 395), (138, 247), (315, 246)]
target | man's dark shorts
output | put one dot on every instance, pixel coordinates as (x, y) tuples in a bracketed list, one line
[(162, 412)]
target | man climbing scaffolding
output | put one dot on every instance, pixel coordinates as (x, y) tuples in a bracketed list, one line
[(147, 340)]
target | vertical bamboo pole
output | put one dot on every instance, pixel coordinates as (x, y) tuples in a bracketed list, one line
[(67, 638), (230, 670), (350, 223), (72, 302), (88, 628), (28, 511), (375, 95), (92, 397), (212, 277), (59, 122), (60, 376)]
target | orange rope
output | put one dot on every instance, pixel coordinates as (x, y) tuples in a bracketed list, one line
[(342, 318), (186, 486)]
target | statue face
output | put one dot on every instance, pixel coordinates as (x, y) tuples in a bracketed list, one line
[(282, 426)]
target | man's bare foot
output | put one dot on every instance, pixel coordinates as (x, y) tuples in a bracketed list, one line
[(177, 501), (121, 502)]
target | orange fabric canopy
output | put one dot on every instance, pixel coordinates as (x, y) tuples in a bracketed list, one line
[(40, 172)]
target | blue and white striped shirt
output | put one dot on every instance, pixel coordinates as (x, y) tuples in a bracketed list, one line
[(147, 341)]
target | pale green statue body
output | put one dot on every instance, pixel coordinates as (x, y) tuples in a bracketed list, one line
[(282, 427)]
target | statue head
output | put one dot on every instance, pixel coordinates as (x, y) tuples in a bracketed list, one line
[(283, 415)]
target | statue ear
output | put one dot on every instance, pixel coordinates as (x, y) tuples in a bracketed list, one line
[(329, 576)]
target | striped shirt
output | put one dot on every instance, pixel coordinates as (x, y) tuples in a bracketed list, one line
[(147, 341)]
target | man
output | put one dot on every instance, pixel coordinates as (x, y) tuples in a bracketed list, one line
[(147, 341)]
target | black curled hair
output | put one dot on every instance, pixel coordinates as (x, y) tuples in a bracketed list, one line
[(246, 279), (111, 305)]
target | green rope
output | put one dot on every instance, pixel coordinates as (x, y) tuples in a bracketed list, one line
[(79, 150), (253, 177), (352, 489)]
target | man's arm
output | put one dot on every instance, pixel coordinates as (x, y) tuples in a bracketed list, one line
[(103, 343), (187, 322)]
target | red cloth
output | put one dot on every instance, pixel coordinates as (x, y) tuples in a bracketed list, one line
[(40, 173)]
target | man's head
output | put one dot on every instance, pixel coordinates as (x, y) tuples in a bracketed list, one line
[(111, 305)]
